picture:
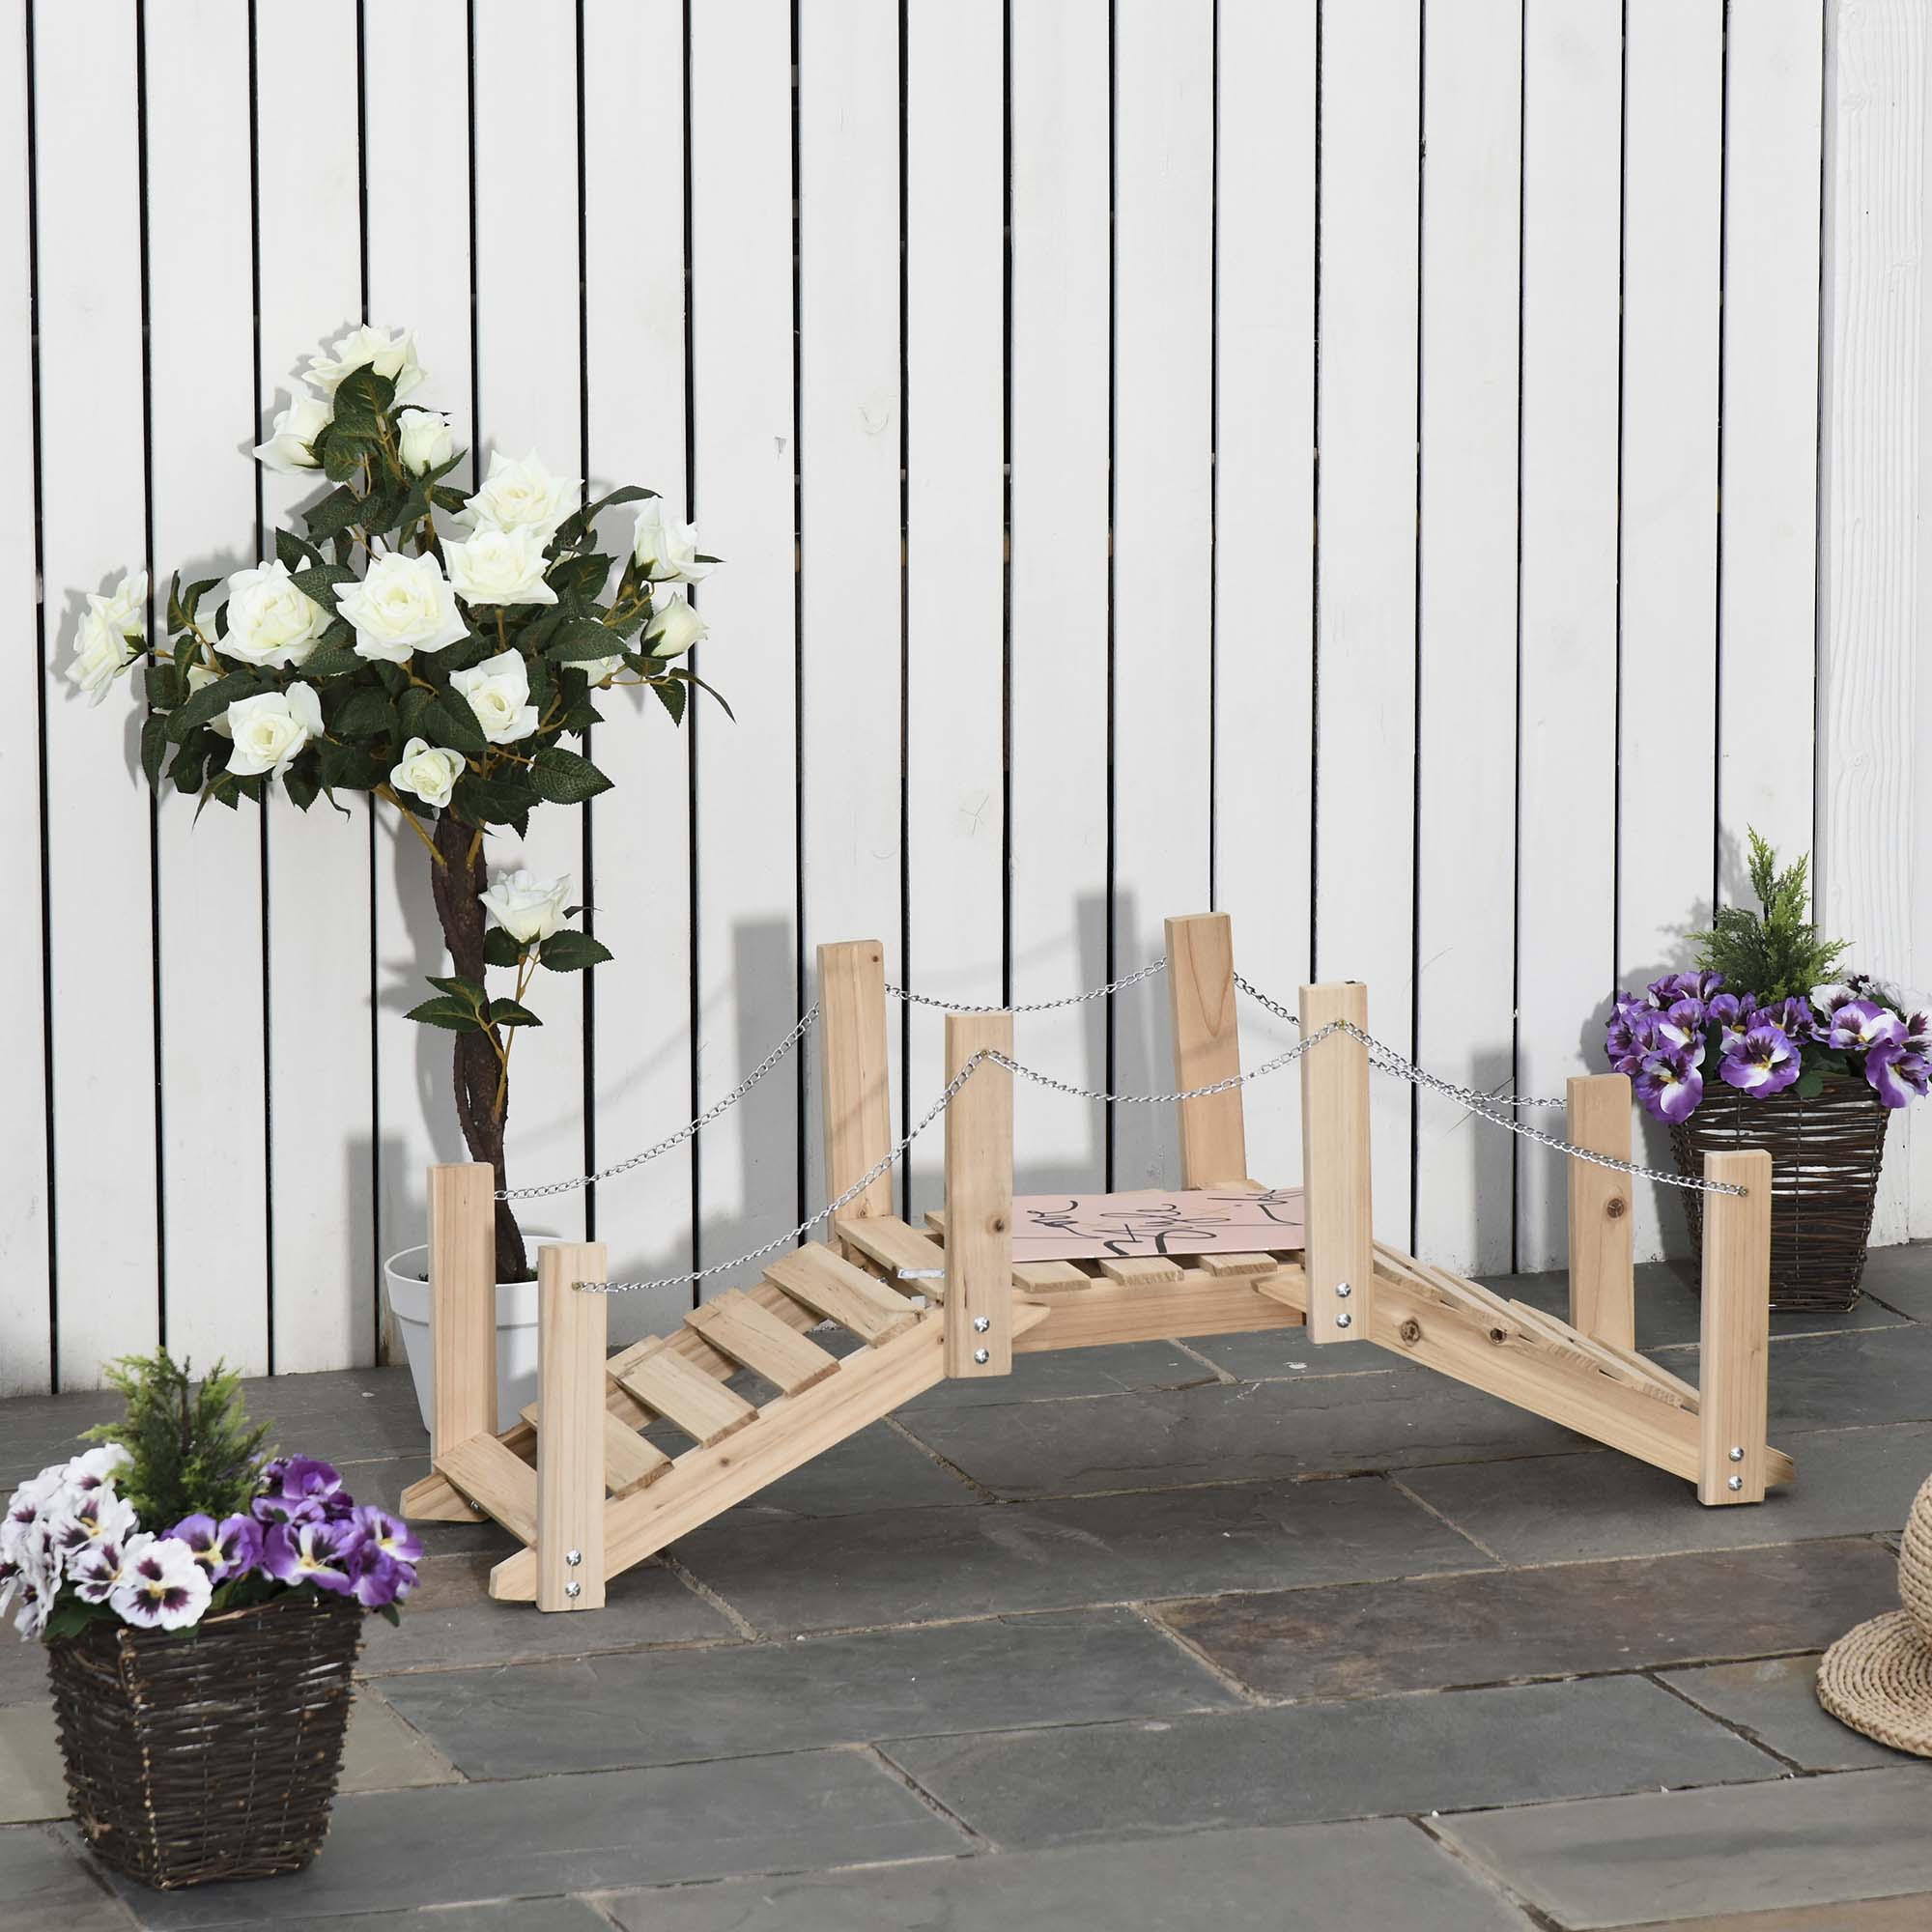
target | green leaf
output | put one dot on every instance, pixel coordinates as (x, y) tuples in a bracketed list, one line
[(450, 1014), (210, 700), (367, 714), (685, 675), (508, 1013), (318, 582), (153, 744), (493, 802), (578, 640), (584, 574), (343, 454), (301, 787), (575, 529), (501, 949), (334, 514), (673, 697), (568, 950), (164, 685), (363, 398), (293, 552), (1809, 1084), (330, 661), (564, 778), (448, 721)]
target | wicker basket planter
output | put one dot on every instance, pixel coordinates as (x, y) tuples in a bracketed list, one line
[(211, 1753), (1825, 1157)]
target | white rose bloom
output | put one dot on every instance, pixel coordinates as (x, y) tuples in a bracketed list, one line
[(403, 604), (527, 907), (499, 691), (427, 771), (599, 670), (392, 355), (426, 439), (673, 629), (101, 654), (666, 549), (498, 567), (199, 677), (287, 448), (270, 728), (126, 607), (270, 621), (521, 495)]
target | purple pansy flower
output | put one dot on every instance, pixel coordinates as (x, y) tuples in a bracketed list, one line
[(1669, 1083), (1727, 1010), (1792, 1017), (1763, 1062), (1682, 1024), (379, 1580), (1919, 1033), (296, 1489), (1897, 1075), (390, 1534), (1859, 1025), (1826, 999), (228, 1548), (97, 1571), (160, 1586), (322, 1553)]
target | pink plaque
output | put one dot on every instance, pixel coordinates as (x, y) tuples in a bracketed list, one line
[(1151, 1221)]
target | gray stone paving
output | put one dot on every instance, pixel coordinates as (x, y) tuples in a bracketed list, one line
[(1239, 1633)]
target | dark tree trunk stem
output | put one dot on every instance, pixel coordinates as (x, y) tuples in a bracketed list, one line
[(458, 883)]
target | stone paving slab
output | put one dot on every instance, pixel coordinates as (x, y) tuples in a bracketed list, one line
[(540, 1837), (1303, 1763), (1868, 1377), (1285, 1354), (1435, 1633), (381, 1754), (1571, 1509), (1074, 1372), (1911, 1914), (383, 1480), (876, 1470), (1377, 1875), (45, 1888), (916, 1565), (520, 1914), (1900, 1278), (1621, 1861), (450, 1621), (1774, 1700), (671, 1707), (1329, 1424)]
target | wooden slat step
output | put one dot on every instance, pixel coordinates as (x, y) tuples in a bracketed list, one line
[(737, 1326), (887, 1239), (1129, 1269), (1221, 1266), (497, 1481), (629, 1460), (705, 1409), (1032, 1276), (1675, 1387), (829, 1285)]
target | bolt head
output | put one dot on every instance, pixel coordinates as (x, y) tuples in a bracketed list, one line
[(1616, 1207), (983, 1354), (1735, 1482), (1344, 1320), (1343, 1290), (1737, 1454), (573, 1589), (981, 1324), (573, 1557)]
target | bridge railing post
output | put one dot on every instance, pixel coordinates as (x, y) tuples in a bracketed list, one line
[(1339, 1250), (979, 1323)]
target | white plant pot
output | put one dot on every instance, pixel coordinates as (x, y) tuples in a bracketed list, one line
[(407, 1276)]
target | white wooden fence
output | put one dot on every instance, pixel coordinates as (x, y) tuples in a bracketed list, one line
[(982, 341)]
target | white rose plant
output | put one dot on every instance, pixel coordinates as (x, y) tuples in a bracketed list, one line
[(431, 650)]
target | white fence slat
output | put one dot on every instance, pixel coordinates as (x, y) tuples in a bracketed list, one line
[(418, 255), (634, 130), (1060, 303), (1874, 698), (309, 245), (1566, 804), (98, 845), (202, 403), (743, 432), (1365, 720), (1465, 774), (1768, 557), (1264, 531), (850, 429), (529, 397), (26, 1310), (1163, 526), (1673, 210), (955, 511)]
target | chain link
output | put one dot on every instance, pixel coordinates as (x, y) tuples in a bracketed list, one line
[(685, 1132), (913, 999)]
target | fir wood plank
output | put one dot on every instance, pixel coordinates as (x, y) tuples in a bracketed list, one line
[(831, 1285), (1132, 1270), (736, 1324), (497, 1481), (629, 1460), (886, 1240), (683, 1393)]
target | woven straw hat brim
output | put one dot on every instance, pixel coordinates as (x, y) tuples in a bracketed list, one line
[(1878, 1679)]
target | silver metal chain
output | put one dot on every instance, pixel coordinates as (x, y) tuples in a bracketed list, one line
[(1145, 972), (685, 1132)]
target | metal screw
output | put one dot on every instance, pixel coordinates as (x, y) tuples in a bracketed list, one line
[(1411, 1331), (1736, 1483), (983, 1354), (981, 1324), (573, 1589), (1343, 1290), (1344, 1320), (1616, 1207), (1737, 1454), (573, 1557)]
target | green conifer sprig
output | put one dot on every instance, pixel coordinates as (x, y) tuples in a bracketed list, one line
[(1775, 952), (193, 1447)]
